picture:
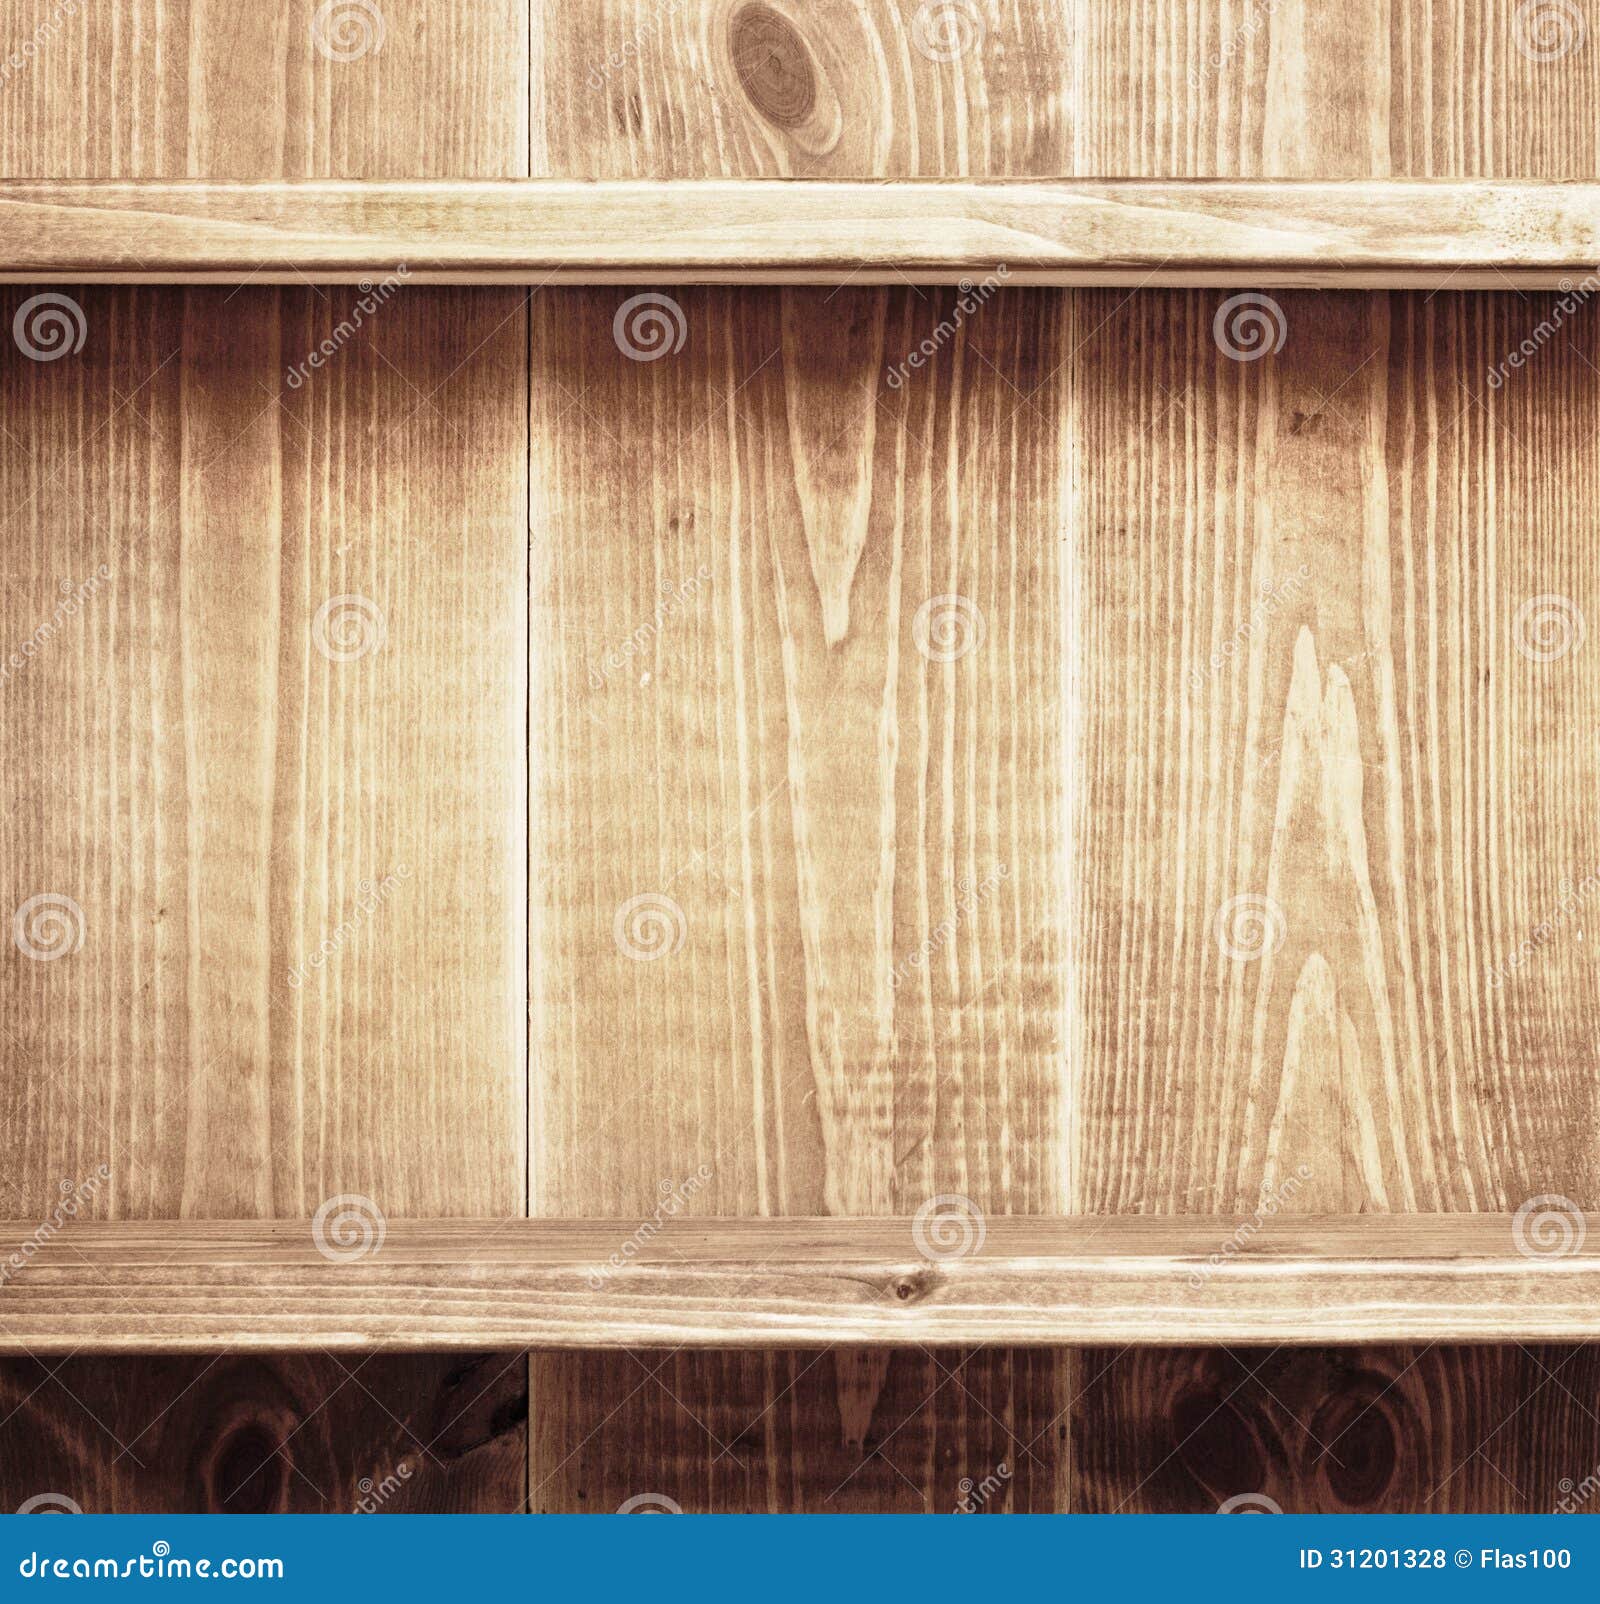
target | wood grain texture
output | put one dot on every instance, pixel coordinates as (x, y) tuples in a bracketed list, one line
[(949, 1280), (1368, 89), (217, 795), (1437, 234), (283, 840), (794, 951), (1337, 718), (240, 1434), (1431, 1430), (724, 89), (1332, 680), (210, 89), (1225, 471)]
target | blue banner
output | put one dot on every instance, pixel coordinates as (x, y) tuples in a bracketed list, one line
[(835, 1558)]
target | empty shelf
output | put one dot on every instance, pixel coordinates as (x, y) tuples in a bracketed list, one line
[(285, 1285), (1416, 233)]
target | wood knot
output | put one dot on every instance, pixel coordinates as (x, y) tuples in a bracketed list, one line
[(773, 64), (912, 1286), (247, 1473)]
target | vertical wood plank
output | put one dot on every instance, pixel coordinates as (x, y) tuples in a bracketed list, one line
[(863, 837), (236, 1434), (1440, 1430), (1310, 534), (270, 741), (797, 837)]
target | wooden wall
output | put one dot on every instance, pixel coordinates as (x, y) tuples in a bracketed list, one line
[(937, 879)]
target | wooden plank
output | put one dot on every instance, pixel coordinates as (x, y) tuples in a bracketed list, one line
[(1318, 591), (217, 794), (948, 1280), (1409, 805), (1365, 234), (967, 1096), (1326, 1431), (828, 784), (238, 1434), (209, 89)]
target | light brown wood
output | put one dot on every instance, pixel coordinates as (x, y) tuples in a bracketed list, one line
[(1454, 234), (798, 862), (952, 1280), (1157, 1076), (218, 795)]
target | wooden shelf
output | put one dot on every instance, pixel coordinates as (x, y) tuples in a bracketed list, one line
[(1460, 234), (199, 1287)]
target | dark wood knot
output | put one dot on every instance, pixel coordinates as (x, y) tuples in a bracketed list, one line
[(773, 64)]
